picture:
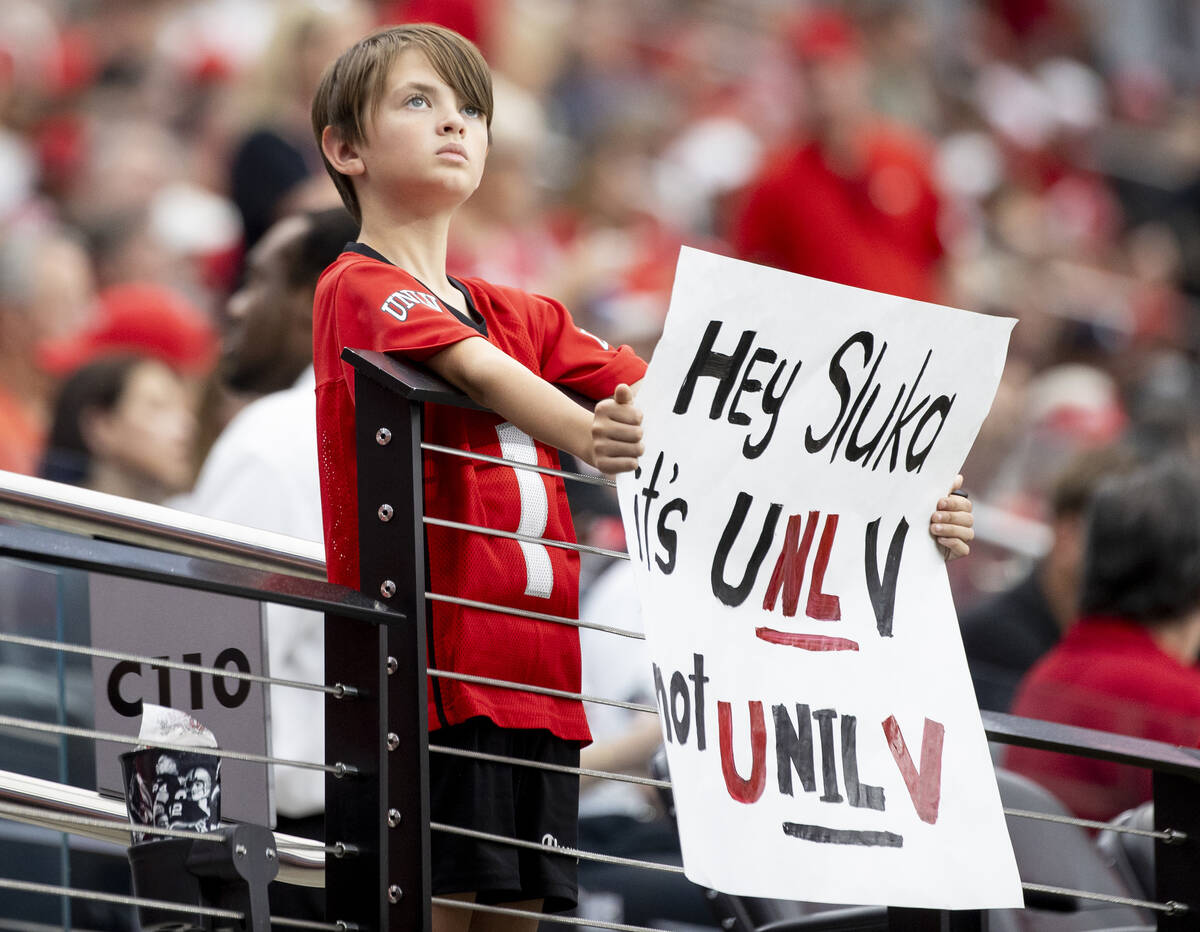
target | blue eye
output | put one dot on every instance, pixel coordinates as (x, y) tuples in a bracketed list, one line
[(417, 102), (473, 112)]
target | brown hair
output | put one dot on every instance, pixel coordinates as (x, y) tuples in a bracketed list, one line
[(1074, 488), (352, 86)]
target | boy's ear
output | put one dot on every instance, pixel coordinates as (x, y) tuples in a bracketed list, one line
[(342, 154)]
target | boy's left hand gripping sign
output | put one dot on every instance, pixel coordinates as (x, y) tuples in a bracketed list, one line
[(821, 727)]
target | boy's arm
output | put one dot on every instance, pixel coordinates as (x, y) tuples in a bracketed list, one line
[(610, 439)]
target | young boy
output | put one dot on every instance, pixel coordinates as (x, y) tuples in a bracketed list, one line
[(403, 120)]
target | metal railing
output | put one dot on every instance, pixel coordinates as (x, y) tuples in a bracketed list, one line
[(377, 821), (390, 396), (59, 807), (69, 508)]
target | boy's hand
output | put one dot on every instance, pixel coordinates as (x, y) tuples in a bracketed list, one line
[(953, 525), (617, 432)]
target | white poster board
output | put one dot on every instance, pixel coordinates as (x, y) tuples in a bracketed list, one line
[(821, 728)]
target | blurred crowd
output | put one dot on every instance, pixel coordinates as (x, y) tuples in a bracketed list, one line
[(1036, 158), (1033, 158)]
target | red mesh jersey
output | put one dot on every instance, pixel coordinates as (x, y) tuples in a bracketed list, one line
[(365, 302)]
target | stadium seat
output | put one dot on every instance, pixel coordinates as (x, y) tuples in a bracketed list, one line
[(1058, 855), (1132, 856)]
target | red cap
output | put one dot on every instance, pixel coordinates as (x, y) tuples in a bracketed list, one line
[(824, 33), (137, 318)]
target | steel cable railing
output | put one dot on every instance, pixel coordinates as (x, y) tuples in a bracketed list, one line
[(540, 690), (1170, 908), (61, 807), (556, 850), (537, 616), (509, 911), (526, 538), (338, 769), (34, 815), (1170, 836), (122, 899), (549, 767), (515, 464), (338, 690), (80, 822), (347, 850)]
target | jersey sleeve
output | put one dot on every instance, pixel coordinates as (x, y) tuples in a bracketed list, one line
[(576, 358), (383, 308)]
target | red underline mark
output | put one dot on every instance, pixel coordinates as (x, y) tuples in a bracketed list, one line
[(804, 641)]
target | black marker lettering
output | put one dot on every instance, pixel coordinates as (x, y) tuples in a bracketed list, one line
[(736, 595), (793, 748), (710, 364), (841, 383)]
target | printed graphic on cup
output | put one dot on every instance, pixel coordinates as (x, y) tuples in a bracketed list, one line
[(168, 788)]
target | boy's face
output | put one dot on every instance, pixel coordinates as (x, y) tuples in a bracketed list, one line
[(425, 147)]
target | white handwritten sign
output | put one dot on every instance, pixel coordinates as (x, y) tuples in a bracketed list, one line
[(821, 728)]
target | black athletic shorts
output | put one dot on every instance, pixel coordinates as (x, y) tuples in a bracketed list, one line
[(503, 799)]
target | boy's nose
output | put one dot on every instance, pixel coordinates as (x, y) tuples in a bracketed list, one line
[(453, 123)]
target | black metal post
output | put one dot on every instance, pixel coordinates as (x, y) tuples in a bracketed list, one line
[(906, 919), (392, 569), (1177, 861), (355, 807)]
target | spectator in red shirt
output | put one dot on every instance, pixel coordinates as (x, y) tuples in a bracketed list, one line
[(1128, 665), (853, 201)]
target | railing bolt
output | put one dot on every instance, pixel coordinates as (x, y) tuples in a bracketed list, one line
[(1174, 836), (394, 818), (239, 850), (1175, 908), (385, 512), (728, 922), (392, 665), (383, 436), (394, 894), (270, 854), (393, 740), (342, 691), (387, 589)]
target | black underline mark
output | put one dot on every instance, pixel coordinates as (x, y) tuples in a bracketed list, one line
[(843, 836)]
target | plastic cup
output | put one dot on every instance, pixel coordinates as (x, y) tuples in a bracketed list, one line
[(171, 789)]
